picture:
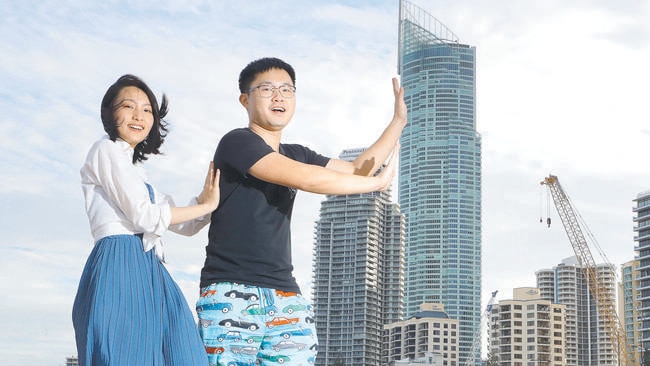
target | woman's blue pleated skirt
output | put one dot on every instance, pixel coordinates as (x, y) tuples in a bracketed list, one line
[(128, 311)]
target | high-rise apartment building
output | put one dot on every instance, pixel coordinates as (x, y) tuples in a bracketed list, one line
[(527, 330), (628, 303), (642, 248), (425, 335), (587, 342), (358, 275), (440, 171)]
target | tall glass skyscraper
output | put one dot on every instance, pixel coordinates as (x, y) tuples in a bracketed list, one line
[(358, 284), (440, 171)]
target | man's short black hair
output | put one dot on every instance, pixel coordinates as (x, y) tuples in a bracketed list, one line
[(259, 66)]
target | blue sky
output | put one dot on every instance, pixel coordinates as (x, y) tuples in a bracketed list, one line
[(561, 88)]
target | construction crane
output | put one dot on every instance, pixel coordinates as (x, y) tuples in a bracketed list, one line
[(605, 302), (477, 338)]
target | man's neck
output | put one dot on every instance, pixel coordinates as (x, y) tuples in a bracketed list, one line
[(272, 138)]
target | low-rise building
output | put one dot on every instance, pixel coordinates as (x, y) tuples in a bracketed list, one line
[(429, 336), (527, 330)]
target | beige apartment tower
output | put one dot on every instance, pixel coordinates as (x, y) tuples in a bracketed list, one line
[(429, 333), (527, 330), (587, 343)]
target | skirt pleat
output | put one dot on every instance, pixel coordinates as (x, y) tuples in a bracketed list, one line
[(129, 311)]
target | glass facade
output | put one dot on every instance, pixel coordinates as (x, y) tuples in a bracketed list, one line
[(440, 172), (628, 303)]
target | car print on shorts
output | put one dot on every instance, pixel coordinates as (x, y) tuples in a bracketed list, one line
[(255, 339), (239, 324), (296, 332), (289, 309), (209, 293), (223, 306), (232, 335), (256, 309), (286, 344), (234, 294), (280, 320), (233, 363), (205, 322), (241, 363), (274, 358), (280, 293), (244, 350), (214, 350)]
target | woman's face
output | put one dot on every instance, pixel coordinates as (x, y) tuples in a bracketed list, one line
[(133, 115)]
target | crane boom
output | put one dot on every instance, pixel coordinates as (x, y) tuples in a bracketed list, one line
[(477, 337), (605, 303)]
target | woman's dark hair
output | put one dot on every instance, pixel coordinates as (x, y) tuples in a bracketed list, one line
[(158, 131), (248, 74)]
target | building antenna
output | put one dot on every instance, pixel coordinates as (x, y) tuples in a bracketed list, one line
[(399, 38)]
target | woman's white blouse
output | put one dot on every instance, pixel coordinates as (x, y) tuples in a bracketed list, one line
[(117, 199)]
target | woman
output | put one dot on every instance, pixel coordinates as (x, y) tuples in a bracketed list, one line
[(128, 310)]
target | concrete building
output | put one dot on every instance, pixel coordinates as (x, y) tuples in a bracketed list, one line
[(628, 303), (587, 342), (358, 275), (430, 336), (440, 171), (527, 330), (429, 359), (642, 248)]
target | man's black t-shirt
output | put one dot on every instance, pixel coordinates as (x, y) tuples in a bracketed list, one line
[(249, 237)]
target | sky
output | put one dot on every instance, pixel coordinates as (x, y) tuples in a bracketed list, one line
[(561, 89)]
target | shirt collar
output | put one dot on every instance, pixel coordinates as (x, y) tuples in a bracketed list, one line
[(124, 145)]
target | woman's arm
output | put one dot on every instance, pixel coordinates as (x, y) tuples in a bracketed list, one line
[(207, 201)]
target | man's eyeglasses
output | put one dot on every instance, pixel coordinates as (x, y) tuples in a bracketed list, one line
[(267, 90)]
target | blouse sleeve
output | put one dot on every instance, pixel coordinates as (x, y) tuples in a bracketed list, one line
[(124, 184), (187, 228)]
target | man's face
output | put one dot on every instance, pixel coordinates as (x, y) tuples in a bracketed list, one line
[(270, 112)]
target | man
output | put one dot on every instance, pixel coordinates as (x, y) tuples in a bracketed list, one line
[(251, 307)]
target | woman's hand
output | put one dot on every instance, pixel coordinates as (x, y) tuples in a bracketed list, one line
[(210, 194)]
